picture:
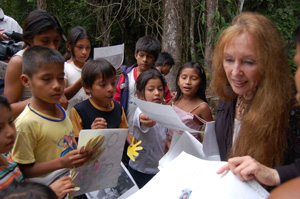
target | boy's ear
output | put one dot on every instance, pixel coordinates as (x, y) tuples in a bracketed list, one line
[(135, 55), (164, 64), (25, 80), (86, 89)]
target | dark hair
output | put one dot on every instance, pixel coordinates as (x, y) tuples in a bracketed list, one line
[(144, 77), (164, 57), (34, 56), (297, 35), (92, 69), (4, 101), (202, 87), (39, 21), (148, 44), (74, 35), (27, 190)]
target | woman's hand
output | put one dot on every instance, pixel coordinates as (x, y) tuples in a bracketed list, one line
[(247, 168), (144, 120), (62, 186)]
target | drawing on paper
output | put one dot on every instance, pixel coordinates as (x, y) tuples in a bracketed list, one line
[(93, 147)]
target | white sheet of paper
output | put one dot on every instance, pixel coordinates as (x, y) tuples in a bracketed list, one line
[(104, 172), (210, 144), (126, 187), (113, 54), (187, 143), (187, 172), (162, 114)]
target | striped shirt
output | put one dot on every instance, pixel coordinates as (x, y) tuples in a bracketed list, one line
[(9, 173)]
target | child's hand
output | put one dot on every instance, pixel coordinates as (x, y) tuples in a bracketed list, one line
[(74, 159), (144, 120), (129, 139), (63, 102), (99, 123), (62, 186)]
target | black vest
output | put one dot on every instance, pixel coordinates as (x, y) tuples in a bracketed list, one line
[(88, 113)]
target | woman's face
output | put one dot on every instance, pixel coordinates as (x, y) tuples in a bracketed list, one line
[(240, 65)]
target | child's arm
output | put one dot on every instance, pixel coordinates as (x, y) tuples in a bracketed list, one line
[(99, 123), (73, 89), (62, 186), (13, 86), (70, 160)]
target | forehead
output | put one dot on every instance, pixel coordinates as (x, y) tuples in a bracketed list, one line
[(145, 53), (50, 68), (190, 71), (102, 77), (48, 33), (5, 113), (242, 40), (83, 41), (154, 81)]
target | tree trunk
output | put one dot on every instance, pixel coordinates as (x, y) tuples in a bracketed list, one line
[(240, 6), (42, 4), (211, 7), (172, 36), (192, 31)]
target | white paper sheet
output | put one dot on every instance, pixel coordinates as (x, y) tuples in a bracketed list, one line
[(199, 178), (187, 143), (126, 187), (210, 144), (113, 54), (104, 172), (162, 114)]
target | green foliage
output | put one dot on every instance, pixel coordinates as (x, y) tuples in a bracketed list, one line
[(286, 16), (132, 19)]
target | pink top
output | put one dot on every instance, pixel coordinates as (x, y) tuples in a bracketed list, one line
[(188, 119)]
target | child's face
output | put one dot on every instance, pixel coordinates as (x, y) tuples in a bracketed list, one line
[(47, 83), (81, 51), (7, 130), (297, 75), (144, 60), (189, 81), (165, 69), (50, 38), (154, 91), (102, 91)]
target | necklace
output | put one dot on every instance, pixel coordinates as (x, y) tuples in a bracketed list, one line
[(241, 105)]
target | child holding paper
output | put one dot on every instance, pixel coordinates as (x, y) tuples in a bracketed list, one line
[(9, 170), (150, 86), (100, 110), (190, 102), (45, 146)]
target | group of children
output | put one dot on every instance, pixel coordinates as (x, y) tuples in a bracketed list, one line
[(45, 146)]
